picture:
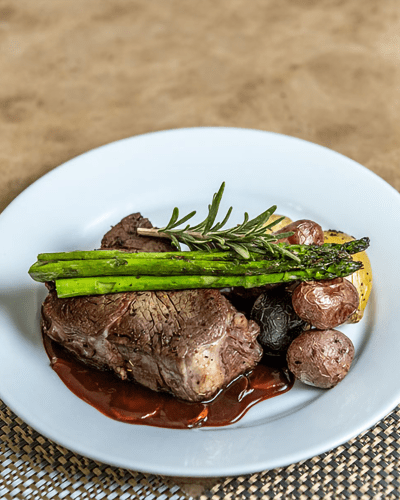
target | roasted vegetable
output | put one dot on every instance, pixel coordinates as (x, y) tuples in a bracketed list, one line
[(361, 279), (306, 232), (320, 358), (279, 324), (284, 222), (325, 304), (88, 273), (259, 258)]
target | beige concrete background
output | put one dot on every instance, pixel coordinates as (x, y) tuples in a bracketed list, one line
[(77, 74)]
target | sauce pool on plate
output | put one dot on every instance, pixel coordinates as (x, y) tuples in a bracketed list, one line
[(129, 402)]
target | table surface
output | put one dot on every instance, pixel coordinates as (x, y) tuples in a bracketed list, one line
[(76, 75)]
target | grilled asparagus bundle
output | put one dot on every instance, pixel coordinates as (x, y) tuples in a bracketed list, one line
[(111, 271)]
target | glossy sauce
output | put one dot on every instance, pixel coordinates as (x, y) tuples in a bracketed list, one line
[(132, 403)]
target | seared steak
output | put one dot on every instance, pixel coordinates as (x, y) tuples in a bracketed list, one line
[(188, 342), (123, 236)]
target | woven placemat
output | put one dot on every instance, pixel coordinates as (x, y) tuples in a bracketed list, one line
[(33, 467)]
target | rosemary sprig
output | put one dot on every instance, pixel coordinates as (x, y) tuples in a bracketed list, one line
[(243, 239)]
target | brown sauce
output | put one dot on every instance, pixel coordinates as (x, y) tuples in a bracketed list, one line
[(132, 403)]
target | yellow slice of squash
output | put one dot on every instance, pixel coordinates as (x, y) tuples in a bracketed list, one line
[(284, 222), (361, 279)]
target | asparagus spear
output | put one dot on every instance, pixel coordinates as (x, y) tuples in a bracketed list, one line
[(130, 264), (156, 267), (351, 247), (109, 254), (73, 287)]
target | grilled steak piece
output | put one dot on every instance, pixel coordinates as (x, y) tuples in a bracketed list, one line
[(188, 342), (123, 236)]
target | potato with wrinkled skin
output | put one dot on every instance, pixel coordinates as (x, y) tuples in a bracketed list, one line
[(321, 358), (325, 304), (361, 279), (306, 232), (279, 324)]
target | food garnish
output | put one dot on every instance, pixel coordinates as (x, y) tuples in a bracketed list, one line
[(243, 256), (249, 236)]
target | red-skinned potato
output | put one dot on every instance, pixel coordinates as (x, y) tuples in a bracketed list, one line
[(306, 232), (320, 358), (325, 304)]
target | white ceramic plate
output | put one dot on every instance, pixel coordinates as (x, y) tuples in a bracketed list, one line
[(75, 204)]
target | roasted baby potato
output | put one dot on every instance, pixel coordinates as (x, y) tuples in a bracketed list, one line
[(306, 232), (320, 358), (325, 304), (279, 324)]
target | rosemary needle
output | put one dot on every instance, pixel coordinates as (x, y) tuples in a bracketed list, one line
[(244, 239)]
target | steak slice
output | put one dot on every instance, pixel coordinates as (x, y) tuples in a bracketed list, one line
[(123, 236), (190, 343)]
